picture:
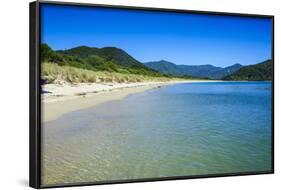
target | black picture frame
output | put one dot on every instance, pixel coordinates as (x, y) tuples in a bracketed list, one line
[(35, 99)]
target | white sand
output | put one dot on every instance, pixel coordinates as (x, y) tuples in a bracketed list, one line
[(60, 99), (56, 92)]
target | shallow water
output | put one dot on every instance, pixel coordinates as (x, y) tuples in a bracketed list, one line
[(177, 130)]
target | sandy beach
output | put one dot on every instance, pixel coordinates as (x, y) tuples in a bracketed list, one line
[(59, 99)]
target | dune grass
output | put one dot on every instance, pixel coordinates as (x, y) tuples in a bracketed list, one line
[(54, 73)]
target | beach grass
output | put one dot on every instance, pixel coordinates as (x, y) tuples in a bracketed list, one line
[(54, 73)]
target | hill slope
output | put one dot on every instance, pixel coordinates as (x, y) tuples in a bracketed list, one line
[(113, 54), (209, 71), (98, 59), (259, 72), (225, 71), (165, 67)]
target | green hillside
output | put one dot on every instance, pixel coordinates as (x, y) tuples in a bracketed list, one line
[(225, 71), (115, 55), (259, 72), (98, 59), (86, 64)]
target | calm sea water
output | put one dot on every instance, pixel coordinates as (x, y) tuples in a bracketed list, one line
[(177, 130)]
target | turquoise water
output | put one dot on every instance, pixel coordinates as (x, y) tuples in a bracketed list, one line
[(177, 130)]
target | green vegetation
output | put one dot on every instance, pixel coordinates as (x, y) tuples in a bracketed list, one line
[(97, 59), (89, 64), (259, 72), (48, 55), (55, 73), (225, 71), (200, 71), (85, 64)]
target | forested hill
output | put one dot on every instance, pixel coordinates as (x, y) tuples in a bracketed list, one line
[(98, 59), (113, 54), (258, 72)]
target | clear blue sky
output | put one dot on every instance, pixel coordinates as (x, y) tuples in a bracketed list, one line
[(190, 39)]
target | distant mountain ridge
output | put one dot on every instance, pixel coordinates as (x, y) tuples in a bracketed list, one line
[(259, 72), (199, 70), (208, 71), (225, 71), (165, 67)]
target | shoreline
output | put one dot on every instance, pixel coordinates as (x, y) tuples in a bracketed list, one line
[(58, 100)]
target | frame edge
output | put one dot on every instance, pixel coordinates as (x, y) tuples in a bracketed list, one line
[(34, 165)]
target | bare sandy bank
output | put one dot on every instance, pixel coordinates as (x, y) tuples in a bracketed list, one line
[(60, 99)]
